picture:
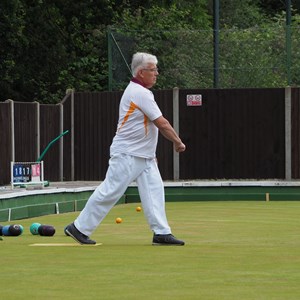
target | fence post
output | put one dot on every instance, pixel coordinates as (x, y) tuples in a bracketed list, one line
[(176, 127), (38, 130), (72, 138), (61, 142), (12, 126), (288, 134)]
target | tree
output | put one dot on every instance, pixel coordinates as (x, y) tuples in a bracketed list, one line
[(167, 32), (239, 13), (48, 46), (13, 41)]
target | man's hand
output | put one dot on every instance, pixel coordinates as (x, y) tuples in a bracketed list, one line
[(180, 147)]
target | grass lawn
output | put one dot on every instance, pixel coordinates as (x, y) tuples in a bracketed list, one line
[(234, 250)]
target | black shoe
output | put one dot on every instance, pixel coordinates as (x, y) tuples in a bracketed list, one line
[(79, 237), (166, 240), (65, 231)]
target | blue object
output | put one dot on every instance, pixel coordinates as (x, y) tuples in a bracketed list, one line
[(5, 230)]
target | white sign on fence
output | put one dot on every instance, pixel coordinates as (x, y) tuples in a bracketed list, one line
[(194, 100)]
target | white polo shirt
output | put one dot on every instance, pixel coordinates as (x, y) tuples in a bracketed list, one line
[(136, 134)]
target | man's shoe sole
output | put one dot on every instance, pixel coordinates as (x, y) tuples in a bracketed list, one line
[(162, 244), (73, 237)]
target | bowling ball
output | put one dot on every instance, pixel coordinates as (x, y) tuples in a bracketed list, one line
[(5, 230), (15, 230), (34, 228), (46, 230)]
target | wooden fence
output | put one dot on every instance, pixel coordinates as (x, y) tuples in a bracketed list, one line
[(233, 134)]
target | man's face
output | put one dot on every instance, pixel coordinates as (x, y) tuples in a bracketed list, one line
[(148, 75)]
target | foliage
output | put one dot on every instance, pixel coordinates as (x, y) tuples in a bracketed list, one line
[(248, 57), (48, 46), (240, 13), (56, 45), (163, 32), (12, 41)]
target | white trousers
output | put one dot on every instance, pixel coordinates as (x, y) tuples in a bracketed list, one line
[(124, 169)]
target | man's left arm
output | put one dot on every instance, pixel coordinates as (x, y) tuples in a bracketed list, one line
[(169, 133)]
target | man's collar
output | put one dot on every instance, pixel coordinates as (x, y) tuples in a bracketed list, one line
[(137, 81)]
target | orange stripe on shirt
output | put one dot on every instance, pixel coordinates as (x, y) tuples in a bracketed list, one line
[(130, 111), (146, 124)]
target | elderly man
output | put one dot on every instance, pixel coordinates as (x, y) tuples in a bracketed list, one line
[(133, 158)]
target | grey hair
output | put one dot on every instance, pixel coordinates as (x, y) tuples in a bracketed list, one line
[(140, 60)]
